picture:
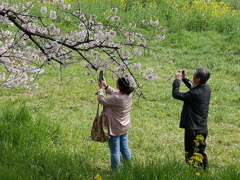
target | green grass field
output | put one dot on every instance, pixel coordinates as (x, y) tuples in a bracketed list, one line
[(45, 133)]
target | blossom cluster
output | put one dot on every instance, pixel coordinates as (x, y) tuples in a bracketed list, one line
[(17, 63), (103, 46)]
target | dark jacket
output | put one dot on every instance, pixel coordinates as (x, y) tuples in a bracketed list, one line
[(196, 104)]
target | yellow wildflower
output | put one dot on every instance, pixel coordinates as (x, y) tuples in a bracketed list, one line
[(196, 142), (200, 137), (97, 177), (198, 173), (195, 164), (190, 161)]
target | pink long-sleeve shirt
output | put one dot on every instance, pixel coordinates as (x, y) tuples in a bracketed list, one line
[(117, 107)]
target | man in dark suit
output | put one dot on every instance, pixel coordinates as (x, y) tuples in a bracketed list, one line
[(195, 110)]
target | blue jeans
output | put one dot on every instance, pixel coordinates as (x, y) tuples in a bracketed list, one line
[(119, 144)]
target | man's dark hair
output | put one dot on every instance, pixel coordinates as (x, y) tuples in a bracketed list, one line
[(203, 75), (124, 86)]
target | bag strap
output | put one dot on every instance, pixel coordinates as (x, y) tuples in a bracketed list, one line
[(97, 110)]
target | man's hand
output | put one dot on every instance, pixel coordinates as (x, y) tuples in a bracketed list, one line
[(181, 74), (184, 74), (178, 75)]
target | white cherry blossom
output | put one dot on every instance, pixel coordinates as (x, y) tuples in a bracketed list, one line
[(103, 46)]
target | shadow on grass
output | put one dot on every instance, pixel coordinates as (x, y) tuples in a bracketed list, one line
[(32, 148)]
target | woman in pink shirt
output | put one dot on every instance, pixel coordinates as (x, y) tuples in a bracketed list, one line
[(117, 107)]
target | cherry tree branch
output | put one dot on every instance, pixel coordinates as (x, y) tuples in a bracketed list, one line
[(98, 44)]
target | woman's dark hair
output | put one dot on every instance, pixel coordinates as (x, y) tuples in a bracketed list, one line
[(203, 74), (124, 86)]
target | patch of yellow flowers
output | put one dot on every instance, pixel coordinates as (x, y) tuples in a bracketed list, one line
[(189, 8), (205, 9), (197, 158), (97, 177)]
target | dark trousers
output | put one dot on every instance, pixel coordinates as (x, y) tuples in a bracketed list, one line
[(190, 147)]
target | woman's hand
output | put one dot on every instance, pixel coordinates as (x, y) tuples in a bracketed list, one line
[(102, 84)]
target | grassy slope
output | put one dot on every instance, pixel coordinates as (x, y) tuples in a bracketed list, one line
[(155, 133)]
